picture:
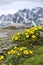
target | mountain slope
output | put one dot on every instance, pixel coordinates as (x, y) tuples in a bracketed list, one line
[(23, 17)]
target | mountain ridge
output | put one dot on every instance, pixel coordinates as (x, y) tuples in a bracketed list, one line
[(23, 17)]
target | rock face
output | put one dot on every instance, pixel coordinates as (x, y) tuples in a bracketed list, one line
[(5, 39), (23, 17)]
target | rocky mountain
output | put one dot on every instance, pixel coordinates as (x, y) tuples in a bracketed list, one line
[(23, 17)]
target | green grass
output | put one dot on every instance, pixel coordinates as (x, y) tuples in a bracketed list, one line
[(36, 59)]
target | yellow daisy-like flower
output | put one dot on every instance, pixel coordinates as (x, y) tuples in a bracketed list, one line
[(33, 36), (27, 36), (35, 28), (20, 48), (30, 52), (28, 30), (26, 52), (12, 51), (2, 57), (31, 32), (16, 38), (8, 52)]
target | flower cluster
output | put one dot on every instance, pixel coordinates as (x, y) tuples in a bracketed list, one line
[(1, 57), (28, 33), (20, 52), (16, 54)]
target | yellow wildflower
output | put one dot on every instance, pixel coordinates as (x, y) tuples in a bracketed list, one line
[(35, 28), (26, 52), (16, 38), (2, 57), (31, 32), (8, 52), (33, 36), (30, 52), (12, 51), (27, 36), (28, 30), (20, 48)]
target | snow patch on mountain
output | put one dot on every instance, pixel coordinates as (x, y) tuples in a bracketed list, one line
[(23, 17)]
